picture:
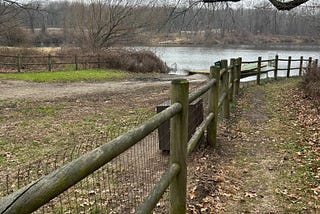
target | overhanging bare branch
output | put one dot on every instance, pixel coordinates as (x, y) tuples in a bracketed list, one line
[(287, 5), (280, 5)]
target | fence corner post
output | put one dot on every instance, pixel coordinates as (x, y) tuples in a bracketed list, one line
[(178, 146), (213, 101), (259, 70), (276, 64)]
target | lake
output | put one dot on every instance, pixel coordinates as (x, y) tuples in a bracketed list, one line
[(199, 58), (194, 58)]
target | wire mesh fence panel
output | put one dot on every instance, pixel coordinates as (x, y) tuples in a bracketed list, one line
[(118, 187)]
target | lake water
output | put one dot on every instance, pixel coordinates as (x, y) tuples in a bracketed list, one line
[(199, 58)]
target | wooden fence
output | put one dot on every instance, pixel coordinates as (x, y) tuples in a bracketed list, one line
[(48, 62), (222, 87), (275, 68)]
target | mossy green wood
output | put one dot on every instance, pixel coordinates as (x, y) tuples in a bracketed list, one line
[(276, 63), (289, 66), (178, 146), (213, 100), (225, 88), (259, 70)]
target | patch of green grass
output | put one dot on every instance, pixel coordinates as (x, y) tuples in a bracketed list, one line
[(41, 110), (67, 75)]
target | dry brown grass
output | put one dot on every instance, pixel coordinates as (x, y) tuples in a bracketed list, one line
[(311, 83)]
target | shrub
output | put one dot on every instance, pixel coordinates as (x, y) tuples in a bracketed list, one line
[(122, 59), (311, 82)]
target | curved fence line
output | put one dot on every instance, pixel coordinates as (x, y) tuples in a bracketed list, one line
[(221, 88)]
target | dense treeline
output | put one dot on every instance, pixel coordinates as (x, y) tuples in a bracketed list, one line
[(105, 23)]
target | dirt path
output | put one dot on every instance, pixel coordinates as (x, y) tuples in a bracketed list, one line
[(257, 167), (15, 89)]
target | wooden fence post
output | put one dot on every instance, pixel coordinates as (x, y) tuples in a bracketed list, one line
[(213, 102), (225, 89), (238, 76), (232, 77), (49, 62), (289, 67), (259, 70), (99, 61), (301, 66), (316, 63), (19, 63), (178, 146), (276, 64), (76, 61), (310, 64)]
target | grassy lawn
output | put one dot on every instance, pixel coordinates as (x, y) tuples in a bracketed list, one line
[(67, 76)]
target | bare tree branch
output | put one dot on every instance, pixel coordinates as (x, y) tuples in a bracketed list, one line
[(287, 5), (280, 5)]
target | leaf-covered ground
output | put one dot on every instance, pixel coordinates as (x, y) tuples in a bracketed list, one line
[(268, 157)]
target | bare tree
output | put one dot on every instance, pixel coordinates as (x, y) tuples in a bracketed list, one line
[(102, 23)]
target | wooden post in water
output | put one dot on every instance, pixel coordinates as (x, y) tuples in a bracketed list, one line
[(301, 66), (289, 67), (49, 62), (19, 63), (76, 61), (232, 77), (225, 89), (259, 70), (316, 63), (276, 64), (238, 76), (213, 101), (178, 146)]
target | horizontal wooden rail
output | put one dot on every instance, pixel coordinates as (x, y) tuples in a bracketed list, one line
[(267, 60), (40, 192), (158, 190), (221, 99), (197, 135), (248, 62), (200, 91)]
